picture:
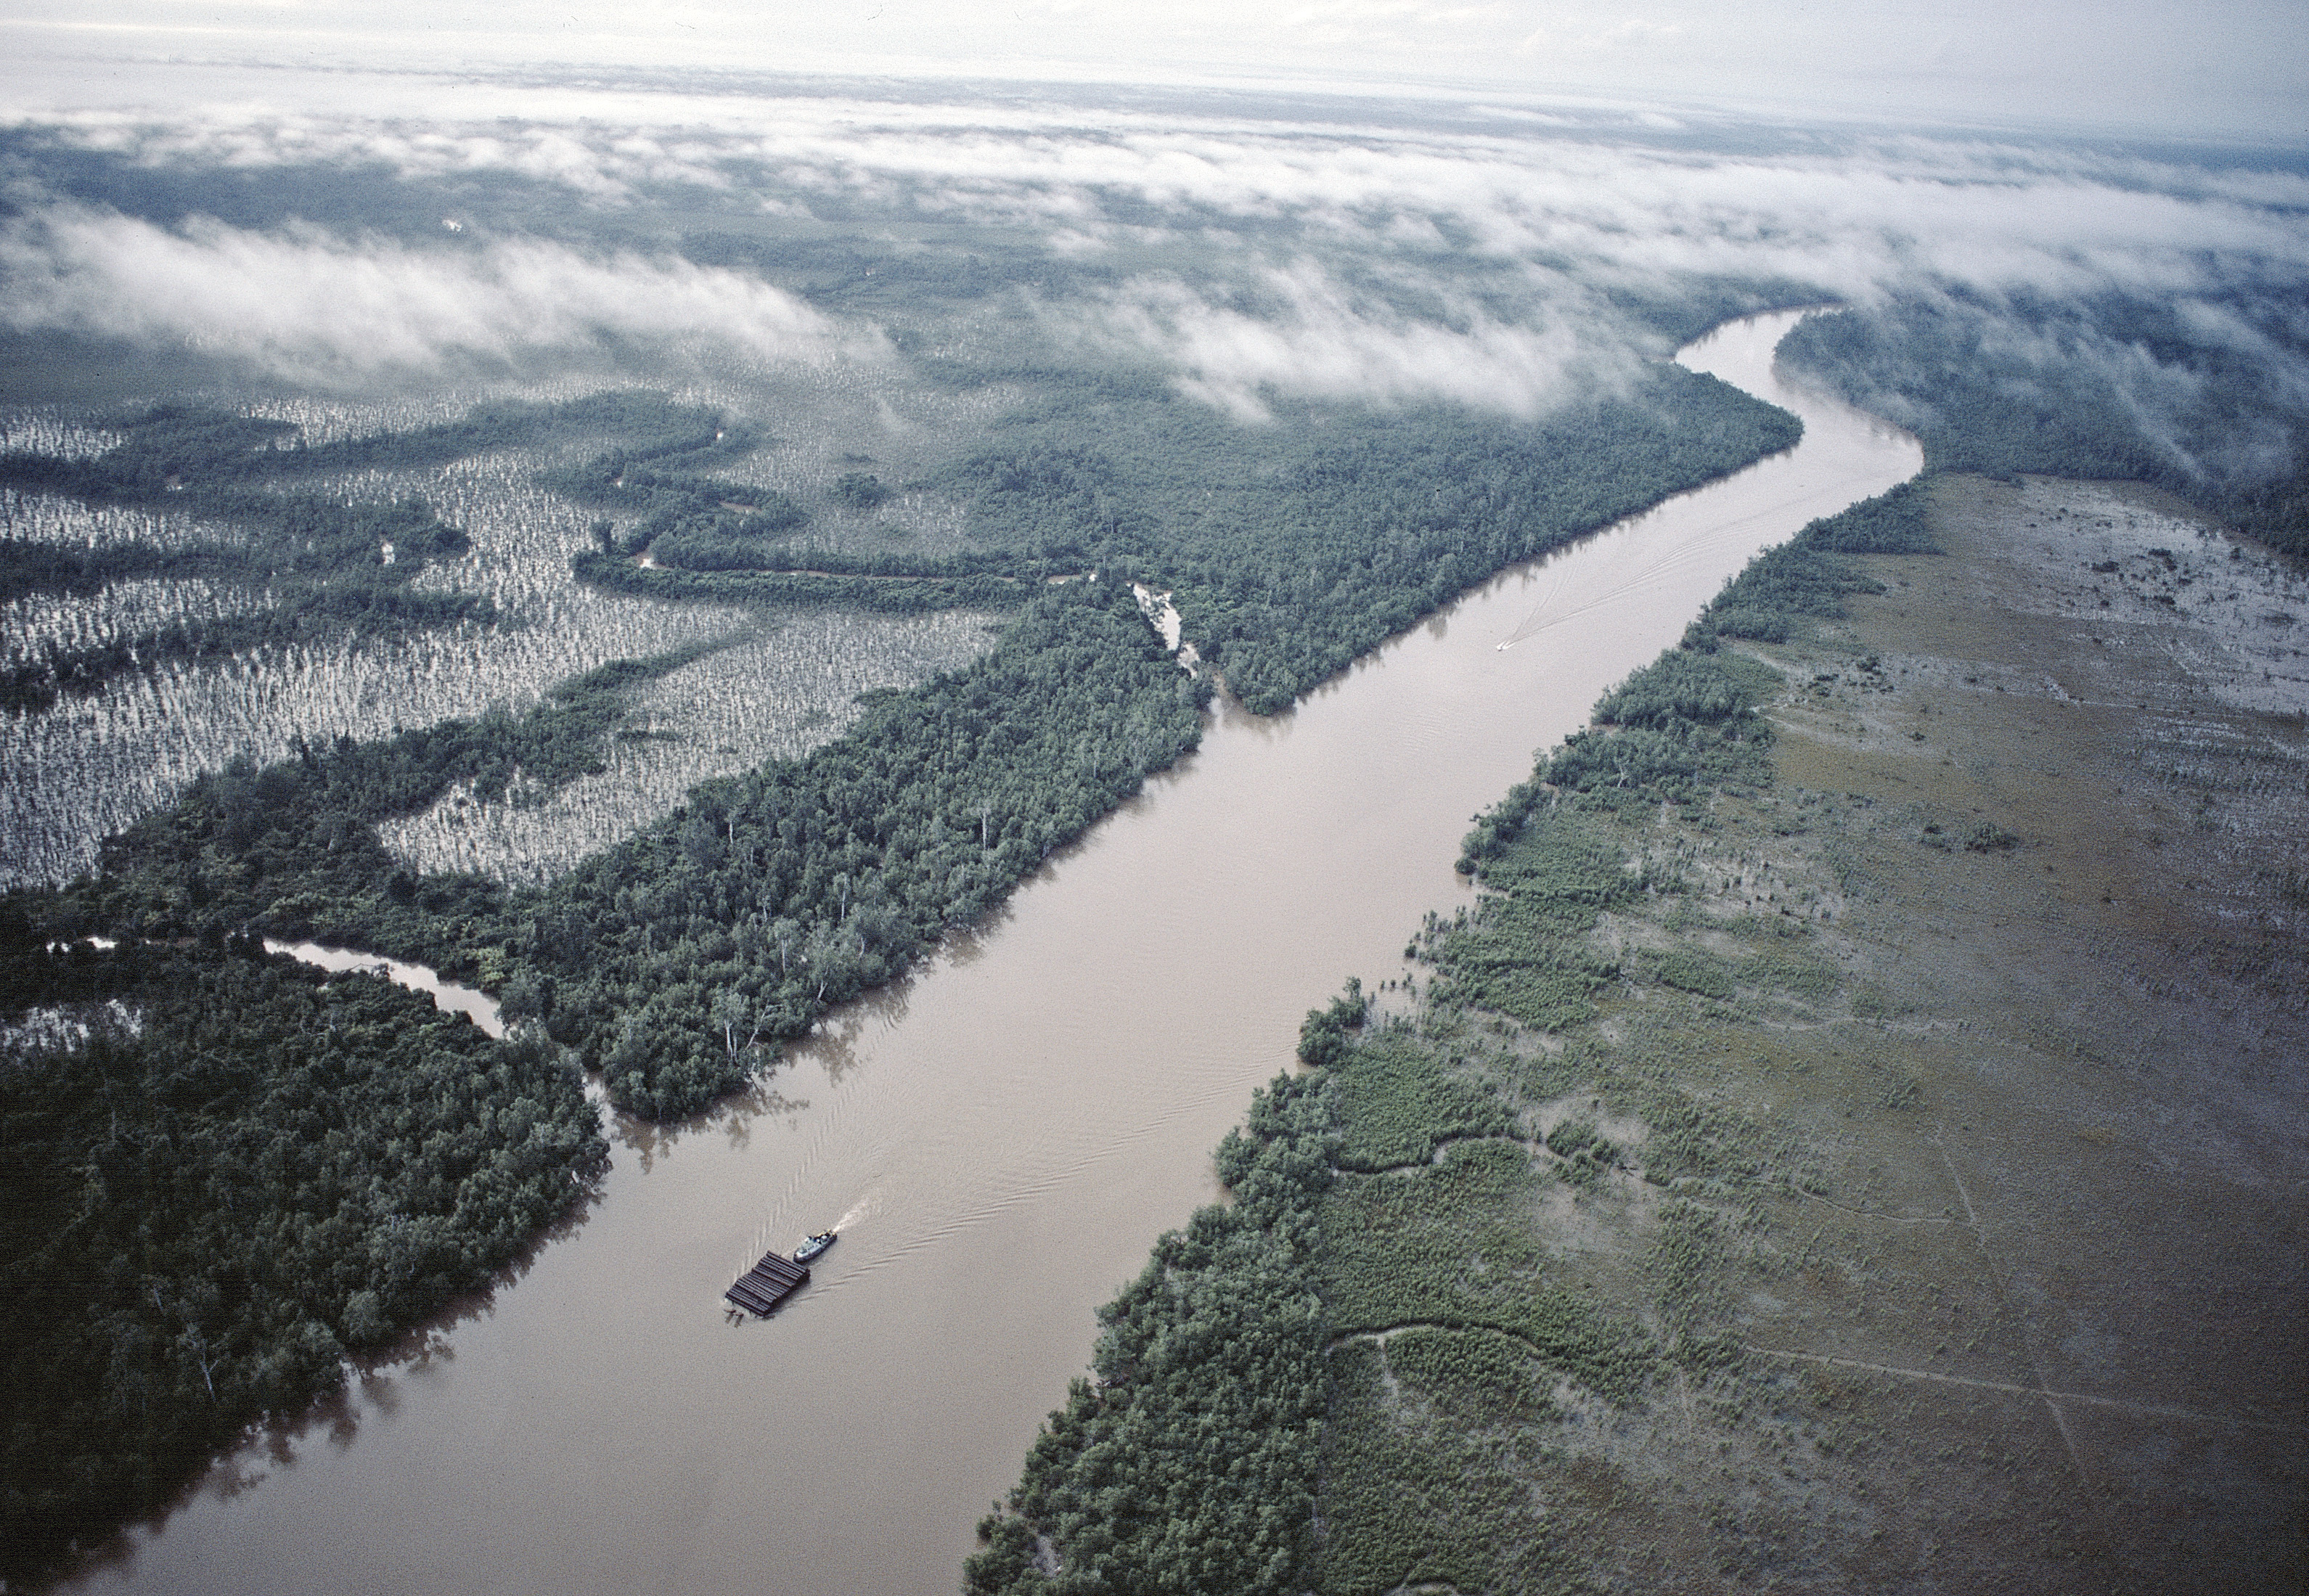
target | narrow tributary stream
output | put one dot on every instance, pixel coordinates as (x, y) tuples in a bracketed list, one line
[(998, 1140)]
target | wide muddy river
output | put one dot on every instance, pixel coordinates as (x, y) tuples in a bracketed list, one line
[(998, 1140)]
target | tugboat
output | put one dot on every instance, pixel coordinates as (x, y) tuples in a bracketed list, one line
[(814, 1246)]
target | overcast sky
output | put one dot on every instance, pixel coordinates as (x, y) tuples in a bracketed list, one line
[(2227, 67)]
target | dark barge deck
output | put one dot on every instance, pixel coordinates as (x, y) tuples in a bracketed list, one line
[(768, 1283)]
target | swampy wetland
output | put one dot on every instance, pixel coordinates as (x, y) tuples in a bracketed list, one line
[(1835, 1128), (1948, 1102)]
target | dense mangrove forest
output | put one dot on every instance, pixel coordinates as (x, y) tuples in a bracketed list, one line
[(2037, 384), (229, 1173)]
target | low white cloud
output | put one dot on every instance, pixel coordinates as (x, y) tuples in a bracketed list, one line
[(315, 305), (1853, 215), (1314, 339), (1506, 239)]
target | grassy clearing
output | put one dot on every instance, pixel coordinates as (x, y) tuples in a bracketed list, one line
[(1401, 1101), (1620, 916), (1427, 1464), (1452, 1246)]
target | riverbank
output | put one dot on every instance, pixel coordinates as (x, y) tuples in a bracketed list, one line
[(1847, 1146)]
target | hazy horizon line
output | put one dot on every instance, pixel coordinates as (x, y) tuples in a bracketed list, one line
[(1622, 107)]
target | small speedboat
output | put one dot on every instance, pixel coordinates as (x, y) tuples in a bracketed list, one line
[(813, 1245)]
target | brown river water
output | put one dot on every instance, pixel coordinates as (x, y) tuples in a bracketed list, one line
[(998, 1139)]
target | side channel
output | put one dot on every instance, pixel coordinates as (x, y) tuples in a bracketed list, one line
[(999, 1141)]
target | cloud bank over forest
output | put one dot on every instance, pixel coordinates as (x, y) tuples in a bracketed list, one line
[(1688, 197), (1255, 251), (310, 304), (1317, 340)]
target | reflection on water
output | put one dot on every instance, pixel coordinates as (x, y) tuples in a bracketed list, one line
[(998, 1140)]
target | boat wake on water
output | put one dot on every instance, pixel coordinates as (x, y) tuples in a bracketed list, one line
[(1531, 622)]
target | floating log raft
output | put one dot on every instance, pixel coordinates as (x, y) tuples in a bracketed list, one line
[(768, 1283)]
